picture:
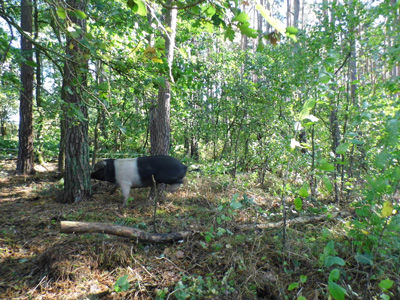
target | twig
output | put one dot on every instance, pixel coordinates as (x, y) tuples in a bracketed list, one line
[(155, 203)]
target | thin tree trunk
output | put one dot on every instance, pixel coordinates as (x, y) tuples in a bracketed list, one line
[(312, 179), (25, 147), (40, 119), (61, 150), (296, 12), (335, 143), (99, 80), (288, 13)]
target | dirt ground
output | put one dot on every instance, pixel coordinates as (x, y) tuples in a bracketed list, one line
[(39, 262)]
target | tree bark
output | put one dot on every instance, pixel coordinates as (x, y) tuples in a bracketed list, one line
[(296, 12), (160, 112), (25, 159), (77, 166), (40, 119), (160, 121)]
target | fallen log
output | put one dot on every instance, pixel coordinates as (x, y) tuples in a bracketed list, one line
[(290, 222), (124, 231)]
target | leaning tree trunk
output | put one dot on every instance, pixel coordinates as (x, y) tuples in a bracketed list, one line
[(77, 167), (25, 136)]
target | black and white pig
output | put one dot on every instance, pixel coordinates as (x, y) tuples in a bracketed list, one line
[(138, 172)]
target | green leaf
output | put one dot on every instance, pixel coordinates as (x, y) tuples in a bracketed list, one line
[(211, 11), (229, 33), (342, 148), (138, 6), (364, 259), (303, 192), (31, 63), (336, 291), (384, 297), (61, 12), (329, 249), (307, 107), (122, 284), (291, 30), (235, 204), (130, 3), (260, 46), (324, 78), (334, 275), (246, 30), (142, 10), (303, 278), (292, 286), (387, 209), (323, 165), (392, 127), (218, 246), (334, 260), (298, 204), (195, 10), (221, 231), (382, 159), (386, 284), (241, 17), (80, 14)]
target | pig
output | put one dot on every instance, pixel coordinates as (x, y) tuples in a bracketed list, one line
[(138, 172)]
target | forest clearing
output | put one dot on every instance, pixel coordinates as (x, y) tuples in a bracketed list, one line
[(200, 149)]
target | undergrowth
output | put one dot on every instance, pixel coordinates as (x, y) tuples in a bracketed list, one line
[(349, 256)]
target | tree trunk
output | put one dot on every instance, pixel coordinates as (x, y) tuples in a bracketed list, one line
[(288, 13), (160, 112), (25, 147), (61, 150), (296, 12), (160, 121), (160, 129), (77, 167), (40, 119)]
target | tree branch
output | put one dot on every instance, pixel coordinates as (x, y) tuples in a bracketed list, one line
[(299, 220), (344, 62), (124, 231)]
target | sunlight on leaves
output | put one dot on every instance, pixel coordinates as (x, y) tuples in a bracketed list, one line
[(61, 12), (277, 24), (387, 209)]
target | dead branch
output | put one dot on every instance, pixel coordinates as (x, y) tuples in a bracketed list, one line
[(299, 220), (124, 231)]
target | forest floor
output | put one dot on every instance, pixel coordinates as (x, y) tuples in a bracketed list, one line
[(224, 258)]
